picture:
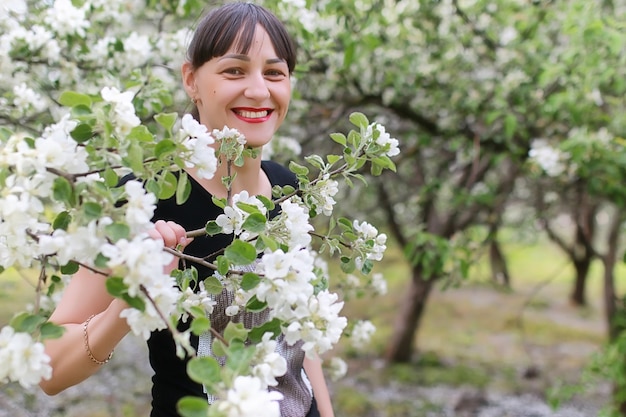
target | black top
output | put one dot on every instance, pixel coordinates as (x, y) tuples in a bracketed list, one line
[(170, 380)]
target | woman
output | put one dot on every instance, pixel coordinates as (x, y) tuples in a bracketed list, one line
[(237, 74)]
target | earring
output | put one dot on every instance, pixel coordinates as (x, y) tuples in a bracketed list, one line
[(194, 100)]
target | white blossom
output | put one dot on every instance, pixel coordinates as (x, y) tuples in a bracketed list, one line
[(139, 261), (201, 298), (547, 157), (26, 99), (379, 284), (249, 398), (337, 368), (377, 133), (65, 19), (362, 333), (197, 139), (139, 208), (267, 363), (22, 359), (123, 109)]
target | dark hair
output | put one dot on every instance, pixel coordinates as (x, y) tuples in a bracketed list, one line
[(235, 24)]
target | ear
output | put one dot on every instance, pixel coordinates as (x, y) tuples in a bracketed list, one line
[(189, 80)]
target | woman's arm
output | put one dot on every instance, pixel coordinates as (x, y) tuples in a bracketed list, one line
[(86, 296), (313, 369)]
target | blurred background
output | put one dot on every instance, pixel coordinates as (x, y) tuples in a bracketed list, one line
[(504, 289)]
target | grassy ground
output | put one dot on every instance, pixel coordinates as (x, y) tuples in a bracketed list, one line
[(483, 336), (476, 335)]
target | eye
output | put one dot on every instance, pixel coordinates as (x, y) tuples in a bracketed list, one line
[(233, 71), (275, 73)]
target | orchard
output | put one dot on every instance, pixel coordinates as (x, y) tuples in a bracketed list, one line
[(439, 116)]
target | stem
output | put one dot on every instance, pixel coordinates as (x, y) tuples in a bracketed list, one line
[(229, 165), (70, 177), (191, 258), (171, 328), (40, 281), (347, 245)]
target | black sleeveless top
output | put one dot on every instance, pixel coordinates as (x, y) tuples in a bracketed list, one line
[(170, 380)]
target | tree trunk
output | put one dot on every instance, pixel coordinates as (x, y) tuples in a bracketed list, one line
[(400, 348), (609, 260), (611, 306), (581, 266), (499, 269)]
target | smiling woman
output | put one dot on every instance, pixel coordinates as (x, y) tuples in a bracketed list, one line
[(237, 74)]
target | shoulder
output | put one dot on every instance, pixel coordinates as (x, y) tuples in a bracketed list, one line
[(279, 174)]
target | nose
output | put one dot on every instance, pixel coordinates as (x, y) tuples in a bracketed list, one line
[(256, 88)]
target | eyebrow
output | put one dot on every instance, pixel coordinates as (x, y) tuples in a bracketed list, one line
[(246, 58)]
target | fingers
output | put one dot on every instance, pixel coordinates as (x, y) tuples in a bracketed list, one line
[(171, 233)]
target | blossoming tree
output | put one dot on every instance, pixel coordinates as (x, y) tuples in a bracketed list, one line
[(66, 144)]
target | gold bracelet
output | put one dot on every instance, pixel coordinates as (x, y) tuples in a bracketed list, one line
[(93, 359)]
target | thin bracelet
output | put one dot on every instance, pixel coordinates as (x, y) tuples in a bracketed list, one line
[(93, 359)]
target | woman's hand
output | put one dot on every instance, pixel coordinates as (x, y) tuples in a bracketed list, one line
[(173, 236)]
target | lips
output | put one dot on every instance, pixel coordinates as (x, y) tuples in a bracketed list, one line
[(253, 115)]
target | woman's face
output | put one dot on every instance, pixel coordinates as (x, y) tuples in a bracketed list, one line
[(250, 93)]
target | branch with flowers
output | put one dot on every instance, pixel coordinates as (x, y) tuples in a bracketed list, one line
[(62, 207)]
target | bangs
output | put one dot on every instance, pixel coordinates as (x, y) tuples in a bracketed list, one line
[(233, 26)]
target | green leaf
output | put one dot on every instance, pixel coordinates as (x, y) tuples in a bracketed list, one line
[(82, 133), (167, 120), (62, 221), (223, 265), (269, 204), (316, 161), (101, 261), (239, 357), (69, 268), (200, 325), (135, 302), (62, 190), (164, 147), (183, 190), (347, 264), (240, 253), (212, 228), (218, 347), (332, 159), (510, 125), (348, 54), (168, 185), (140, 134), (256, 334), (235, 331), (204, 370), (117, 231), (51, 331), (249, 281), (134, 157), (255, 306), (358, 119), (255, 223), (110, 177), (92, 210), (367, 267), (115, 286), (219, 202), (26, 323), (213, 285), (298, 169), (193, 407), (72, 98), (270, 243)]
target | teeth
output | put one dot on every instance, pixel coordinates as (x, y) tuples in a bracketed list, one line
[(252, 114)]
